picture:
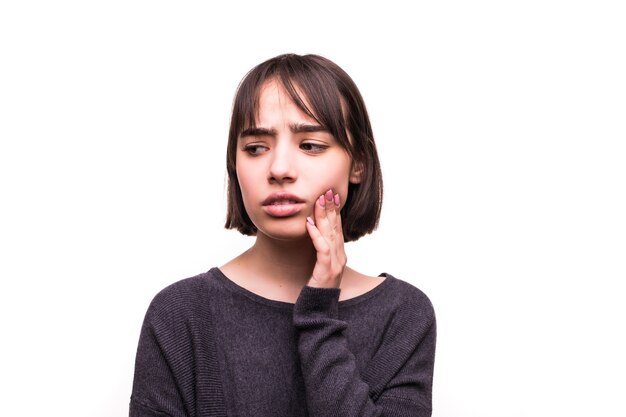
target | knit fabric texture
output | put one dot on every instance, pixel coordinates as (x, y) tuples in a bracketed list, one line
[(210, 348)]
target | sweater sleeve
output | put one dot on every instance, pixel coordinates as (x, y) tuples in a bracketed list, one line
[(398, 380), (155, 391), (176, 369)]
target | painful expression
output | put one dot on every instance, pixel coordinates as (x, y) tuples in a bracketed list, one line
[(285, 163)]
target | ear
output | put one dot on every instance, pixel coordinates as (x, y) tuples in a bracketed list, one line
[(356, 172)]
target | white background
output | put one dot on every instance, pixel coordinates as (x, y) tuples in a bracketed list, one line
[(501, 129)]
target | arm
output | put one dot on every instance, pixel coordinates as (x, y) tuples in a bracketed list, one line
[(398, 380), (176, 370), (155, 392)]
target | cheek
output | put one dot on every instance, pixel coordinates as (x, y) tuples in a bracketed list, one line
[(247, 172), (335, 179), (248, 181), (248, 196)]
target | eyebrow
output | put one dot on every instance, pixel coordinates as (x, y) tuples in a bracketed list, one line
[(306, 128), (295, 128)]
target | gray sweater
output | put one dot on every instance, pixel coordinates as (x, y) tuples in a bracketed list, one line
[(209, 347)]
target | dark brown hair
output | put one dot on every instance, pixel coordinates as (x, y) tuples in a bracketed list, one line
[(335, 102)]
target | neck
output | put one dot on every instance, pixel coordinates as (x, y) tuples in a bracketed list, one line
[(288, 264)]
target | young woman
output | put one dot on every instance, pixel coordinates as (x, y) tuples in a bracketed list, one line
[(287, 328)]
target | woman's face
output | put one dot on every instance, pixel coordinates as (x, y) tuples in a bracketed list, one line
[(285, 163)]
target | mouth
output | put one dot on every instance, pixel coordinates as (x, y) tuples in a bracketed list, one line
[(282, 198), (283, 204)]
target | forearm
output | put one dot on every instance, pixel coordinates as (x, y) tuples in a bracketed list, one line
[(334, 385)]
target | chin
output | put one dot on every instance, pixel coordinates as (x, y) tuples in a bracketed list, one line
[(285, 229)]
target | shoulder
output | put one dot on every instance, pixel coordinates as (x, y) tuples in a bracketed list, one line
[(405, 315), (408, 301), (183, 297)]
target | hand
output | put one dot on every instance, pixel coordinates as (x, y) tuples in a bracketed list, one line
[(327, 236)]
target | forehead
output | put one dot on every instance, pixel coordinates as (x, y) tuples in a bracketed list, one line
[(273, 93), (274, 101)]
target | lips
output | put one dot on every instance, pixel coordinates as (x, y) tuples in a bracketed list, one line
[(282, 204), (281, 199)]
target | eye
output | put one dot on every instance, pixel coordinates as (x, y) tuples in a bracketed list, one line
[(254, 150), (312, 147)]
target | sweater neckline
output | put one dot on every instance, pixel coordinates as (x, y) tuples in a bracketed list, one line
[(233, 286)]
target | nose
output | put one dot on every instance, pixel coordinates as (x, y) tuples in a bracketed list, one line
[(282, 166)]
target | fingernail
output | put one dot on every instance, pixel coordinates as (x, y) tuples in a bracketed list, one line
[(322, 201), (336, 198), (310, 221), (329, 195)]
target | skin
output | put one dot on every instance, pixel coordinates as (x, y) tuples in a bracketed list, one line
[(289, 152)]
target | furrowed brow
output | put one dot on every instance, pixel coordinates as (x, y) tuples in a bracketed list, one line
[(257, 131), (306, 128)]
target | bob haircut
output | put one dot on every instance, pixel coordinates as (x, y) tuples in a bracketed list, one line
[(337, 105)]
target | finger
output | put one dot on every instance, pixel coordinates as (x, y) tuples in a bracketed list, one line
[(320, 214), (326, 217), (334, 232), (338, 224), (322, 275), (331, 213), (319, 242)]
